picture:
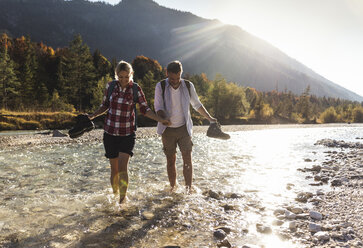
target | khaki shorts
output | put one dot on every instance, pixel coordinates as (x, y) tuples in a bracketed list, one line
[(176, 136)]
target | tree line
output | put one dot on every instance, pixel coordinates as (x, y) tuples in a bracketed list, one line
[(36, 77)]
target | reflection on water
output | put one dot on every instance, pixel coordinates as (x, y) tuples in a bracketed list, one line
[(59, 196)]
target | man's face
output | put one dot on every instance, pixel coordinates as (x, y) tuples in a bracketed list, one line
[(174, 79)]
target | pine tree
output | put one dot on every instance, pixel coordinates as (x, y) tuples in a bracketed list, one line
[(77, 75), (8, 81)]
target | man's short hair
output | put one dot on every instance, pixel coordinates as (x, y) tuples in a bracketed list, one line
[(175, 67)]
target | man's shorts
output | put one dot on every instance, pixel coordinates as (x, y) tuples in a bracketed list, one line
[(115, 144), (176, 136)]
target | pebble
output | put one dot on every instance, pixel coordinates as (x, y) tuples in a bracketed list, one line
[(316, 215), (314, 227), (220, 234), (263, 229), (322, 236)]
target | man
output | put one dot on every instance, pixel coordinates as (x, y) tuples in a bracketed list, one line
[(172, 100)]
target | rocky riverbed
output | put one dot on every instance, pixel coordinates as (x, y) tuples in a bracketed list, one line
[(334, 218), (320, 218)]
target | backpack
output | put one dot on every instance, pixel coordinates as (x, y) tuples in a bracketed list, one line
[(134, 90), (187, 83)]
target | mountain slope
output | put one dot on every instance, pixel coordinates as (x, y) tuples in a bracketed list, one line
[(142, 27)]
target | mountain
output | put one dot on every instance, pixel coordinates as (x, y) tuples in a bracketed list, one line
[(142, 27)]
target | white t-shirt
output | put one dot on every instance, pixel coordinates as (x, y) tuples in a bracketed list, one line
[(177, 117)]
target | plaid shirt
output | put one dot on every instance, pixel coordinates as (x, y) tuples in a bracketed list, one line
[(120, 119)]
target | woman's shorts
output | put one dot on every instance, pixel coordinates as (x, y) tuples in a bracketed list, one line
[(115, 144), (176, 136)]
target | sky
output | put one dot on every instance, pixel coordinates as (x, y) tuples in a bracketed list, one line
[(324, 35)]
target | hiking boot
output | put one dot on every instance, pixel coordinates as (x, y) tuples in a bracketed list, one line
[(215, 131), (83, 124)]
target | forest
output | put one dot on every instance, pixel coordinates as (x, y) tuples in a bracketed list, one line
[(38, 82)]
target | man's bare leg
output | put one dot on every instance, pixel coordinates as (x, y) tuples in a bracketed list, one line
[(170, 166), (187, 169)]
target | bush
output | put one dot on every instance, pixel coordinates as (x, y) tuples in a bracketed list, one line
[(7, 126), (30, 125), (358, 114), (329, 116)]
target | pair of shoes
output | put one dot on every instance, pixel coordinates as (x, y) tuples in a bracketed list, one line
[(215, 131), (83, 124)]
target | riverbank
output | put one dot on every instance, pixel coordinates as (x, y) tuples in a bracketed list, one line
[(333, 218), (61, 137)]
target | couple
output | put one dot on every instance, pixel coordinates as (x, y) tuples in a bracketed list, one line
[(173, 97)]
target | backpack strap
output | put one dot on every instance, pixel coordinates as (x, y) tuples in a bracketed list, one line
[(163, 82), (110, 89), (136, 100), (187, 83)]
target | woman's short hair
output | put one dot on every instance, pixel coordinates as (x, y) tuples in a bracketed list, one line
[(123, 66), (175, 67)]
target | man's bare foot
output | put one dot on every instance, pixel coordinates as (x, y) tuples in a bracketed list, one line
[(190, 190), (123, 199)]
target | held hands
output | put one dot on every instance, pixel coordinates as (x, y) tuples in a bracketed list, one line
[(165, 122)]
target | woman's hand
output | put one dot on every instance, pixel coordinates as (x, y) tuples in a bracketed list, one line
[(165, 122)]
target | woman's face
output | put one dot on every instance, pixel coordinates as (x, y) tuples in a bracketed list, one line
[(124, 77)]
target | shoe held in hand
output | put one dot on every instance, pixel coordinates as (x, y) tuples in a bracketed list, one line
[(215, 131), (83, 124)]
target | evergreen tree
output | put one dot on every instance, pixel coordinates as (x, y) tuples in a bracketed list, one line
[(102, 65), (148, 84), (77, 75), (9, 83)]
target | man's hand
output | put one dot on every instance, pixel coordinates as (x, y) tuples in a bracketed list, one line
[(165, 122)]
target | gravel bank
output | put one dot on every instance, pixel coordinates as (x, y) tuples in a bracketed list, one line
[(56, 137), (335, 218)]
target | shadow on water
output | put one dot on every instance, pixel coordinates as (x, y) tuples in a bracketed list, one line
[(115, 236), (120, 233)]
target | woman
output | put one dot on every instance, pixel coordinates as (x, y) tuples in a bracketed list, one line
[(119, 126)]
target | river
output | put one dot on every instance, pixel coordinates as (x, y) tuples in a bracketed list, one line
[(59, 195)]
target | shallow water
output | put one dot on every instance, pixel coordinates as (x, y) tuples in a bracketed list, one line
[(59, 196)]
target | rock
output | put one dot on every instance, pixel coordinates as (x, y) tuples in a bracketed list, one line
[(322, 236), (316, 168), (263, 229), (289, 186), (303, 197), (57, 133), (289, 215), (297, 210), (219, 234), (277, 222), (316, 215), (147, 215), (213, 194), (228, 207), (226, 229), (314, 227), (280, 211), (337, 235), (292, 225), (171, 246), (336, 182), (304, 216), (224, 243)]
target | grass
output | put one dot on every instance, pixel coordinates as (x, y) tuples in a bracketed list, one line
[(10, 120)]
